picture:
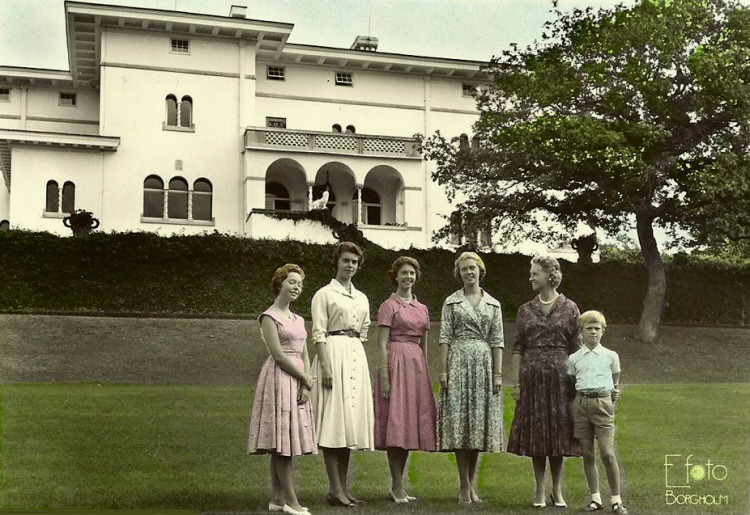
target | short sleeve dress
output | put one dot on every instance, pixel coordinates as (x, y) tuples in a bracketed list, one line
[(278, 424), (344, 416), (542, 423), (407, 418), (470, 415)]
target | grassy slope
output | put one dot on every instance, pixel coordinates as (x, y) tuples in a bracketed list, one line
[(127, 446), (38, 348)]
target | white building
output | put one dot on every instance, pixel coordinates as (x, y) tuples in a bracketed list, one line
[(181, 123)]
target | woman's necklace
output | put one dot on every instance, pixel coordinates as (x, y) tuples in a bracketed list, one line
[(548, 302)]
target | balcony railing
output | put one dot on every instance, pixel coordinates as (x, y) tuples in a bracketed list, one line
[(331, 142)]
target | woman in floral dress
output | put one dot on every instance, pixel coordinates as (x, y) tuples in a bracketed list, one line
[(545, 335), (470, 413)]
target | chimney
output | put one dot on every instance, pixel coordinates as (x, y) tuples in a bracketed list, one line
[(238, 11), (365, 43)]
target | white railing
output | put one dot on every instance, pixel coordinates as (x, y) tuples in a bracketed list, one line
[(331, 142)]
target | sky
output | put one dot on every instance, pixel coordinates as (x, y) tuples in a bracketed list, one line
[(32, 32)]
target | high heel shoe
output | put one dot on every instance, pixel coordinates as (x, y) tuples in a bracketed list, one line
[(334, 501), (275, 507), (397, 500), (561, 504), (291, 511)]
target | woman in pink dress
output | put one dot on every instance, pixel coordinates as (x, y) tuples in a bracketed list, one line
[(405, 410), (281, 422)]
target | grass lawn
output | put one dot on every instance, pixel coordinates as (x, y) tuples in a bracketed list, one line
[(182, 446)]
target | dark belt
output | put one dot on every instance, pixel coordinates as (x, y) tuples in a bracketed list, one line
[(351, 333), (598, 395)]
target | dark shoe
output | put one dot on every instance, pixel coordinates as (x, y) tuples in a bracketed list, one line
[(619, 508), (593, 506), (334, 501)]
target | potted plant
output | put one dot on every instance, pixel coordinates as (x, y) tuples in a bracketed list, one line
[(81, 222)]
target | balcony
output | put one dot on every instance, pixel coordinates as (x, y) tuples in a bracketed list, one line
[(331, 143)]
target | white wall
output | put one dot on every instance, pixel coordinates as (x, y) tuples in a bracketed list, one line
[(34, 166), (43, 111)]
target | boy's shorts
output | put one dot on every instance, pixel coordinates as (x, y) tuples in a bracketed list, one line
[(593, 416)]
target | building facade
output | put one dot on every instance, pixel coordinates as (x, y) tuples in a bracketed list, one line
[(182, 123)]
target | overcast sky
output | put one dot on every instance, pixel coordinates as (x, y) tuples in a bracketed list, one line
[(32, 32)]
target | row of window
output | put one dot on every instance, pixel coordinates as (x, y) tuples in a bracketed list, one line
[(277, 122), (63, 99), (279, 199), (179, 114), (347, 79), (60, 200), (177, 201)]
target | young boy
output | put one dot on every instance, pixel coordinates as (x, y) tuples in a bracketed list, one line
[(596, 373)]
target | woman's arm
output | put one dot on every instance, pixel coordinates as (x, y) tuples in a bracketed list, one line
[(385, 385), (423, 344), (319, 311), (497, 369), (446, 336), (271, 337)]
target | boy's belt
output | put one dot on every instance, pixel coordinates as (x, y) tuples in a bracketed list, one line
[(595, 395), (351, 333)]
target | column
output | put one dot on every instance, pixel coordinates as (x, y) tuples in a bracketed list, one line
[(359, 204), (309, 195)]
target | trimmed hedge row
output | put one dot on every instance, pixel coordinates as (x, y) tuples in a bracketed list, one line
[(211, 274)]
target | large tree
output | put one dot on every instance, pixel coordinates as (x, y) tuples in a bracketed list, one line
[(613, 117)]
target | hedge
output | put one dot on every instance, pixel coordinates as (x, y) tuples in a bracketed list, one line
[(214, 274)]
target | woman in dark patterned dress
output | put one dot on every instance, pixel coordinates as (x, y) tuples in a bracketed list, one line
[(545, 335)]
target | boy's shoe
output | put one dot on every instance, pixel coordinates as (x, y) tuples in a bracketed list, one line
[(596, 506), (619, 508)]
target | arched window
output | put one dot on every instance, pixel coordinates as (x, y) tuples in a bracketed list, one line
[(350, 129), (5, 225), (177, 203), (171, 111), (153, 197), (186, 111), (371, 206), (277, 197), (69, 197), (336, 128), (202, 199), (53, 198)]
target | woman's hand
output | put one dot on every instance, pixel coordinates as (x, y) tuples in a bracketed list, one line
[(326, 376), (443, 381), (517, 393), (385, 384), (303, 395), (497, 383), (307, 381)]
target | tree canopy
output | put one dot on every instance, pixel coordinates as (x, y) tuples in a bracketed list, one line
[(615, 115)]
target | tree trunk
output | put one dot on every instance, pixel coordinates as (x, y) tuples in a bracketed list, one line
[(653, 303)]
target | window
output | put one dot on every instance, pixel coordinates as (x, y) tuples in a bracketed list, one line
[(344, 79), (177, 199), (336, 128), (468, 90), (4, 95), (153, 197), (68, 197), (53, 198), (350, 129), (275, 122), (177, 202), (456, 229), (60, 200), (171, 110), (180, 46), (186, 112), (277, 197), (67, 99), (179, 115), (5, 225), (275, 73), (202, 198), (371, 207)]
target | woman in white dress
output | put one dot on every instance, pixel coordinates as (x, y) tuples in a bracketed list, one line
[(341, 394)]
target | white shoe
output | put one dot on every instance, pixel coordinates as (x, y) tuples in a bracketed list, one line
[(397, 500), (275, 507), (291, 511)]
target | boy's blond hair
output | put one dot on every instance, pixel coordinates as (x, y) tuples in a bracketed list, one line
[(592, 316)]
